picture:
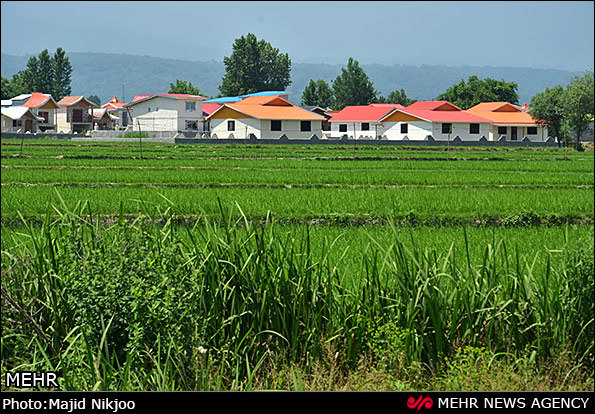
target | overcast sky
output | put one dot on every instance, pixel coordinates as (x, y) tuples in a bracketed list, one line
[(548, 34)]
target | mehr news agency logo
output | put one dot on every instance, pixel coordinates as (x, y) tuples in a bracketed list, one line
[(546, 401)]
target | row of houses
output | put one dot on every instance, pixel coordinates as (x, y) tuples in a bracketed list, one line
[(40, 112), (270, 115)]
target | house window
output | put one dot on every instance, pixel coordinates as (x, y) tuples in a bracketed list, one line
[(191, 106), (231, 125), (404, 128), (192, 125), (474, 128), (447, 128), (365, 126), (305, 126), (275, 125), (149, 109), (16, 123), (45, 115), (531, 130), (342, 127), (502, 130)]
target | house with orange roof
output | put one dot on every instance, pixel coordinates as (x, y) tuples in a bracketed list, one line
[(510, 122), (117, 108), (440, 120), (168, 112), (73, 114), (266, 117), (42, 105)]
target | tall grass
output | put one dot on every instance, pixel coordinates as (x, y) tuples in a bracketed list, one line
[(141, 305)]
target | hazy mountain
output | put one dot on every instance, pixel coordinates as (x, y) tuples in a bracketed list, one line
[(124, 76)]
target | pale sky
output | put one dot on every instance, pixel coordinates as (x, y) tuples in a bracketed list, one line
[(548, 34)]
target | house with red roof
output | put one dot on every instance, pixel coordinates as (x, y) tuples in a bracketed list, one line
[(73, 114), (437, 120), (171, 112), (44, 106), (360, 122), (266, 117), (510, 122)]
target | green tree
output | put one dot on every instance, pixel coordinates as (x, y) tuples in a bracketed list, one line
[(183, 87), (466, 94), (254, 66), (62, 74), (578, 104), (318, 93), (95, 99), (5, 89), (17, 85), (548, 108), (352, 86), (397, 97)]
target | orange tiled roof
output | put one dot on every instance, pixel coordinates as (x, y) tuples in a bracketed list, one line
[(39, 99), (502, 113), (272, 107)]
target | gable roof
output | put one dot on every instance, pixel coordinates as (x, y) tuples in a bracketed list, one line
[(368, 113), (19, 112), (503, 113), (113, 104), (38, 99), (141, 98), (72, 100), (269, 107)]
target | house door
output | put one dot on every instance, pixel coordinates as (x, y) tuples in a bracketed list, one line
[(28, 125), (513, 133)]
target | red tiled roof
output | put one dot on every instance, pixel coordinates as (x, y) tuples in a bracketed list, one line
[(113, 103), (369, 113), (38, 99)]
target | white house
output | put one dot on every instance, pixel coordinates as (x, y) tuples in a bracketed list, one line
[(510, 122), (42, 105), (168, 112), (265, 116), (19, 118), (440, 120)]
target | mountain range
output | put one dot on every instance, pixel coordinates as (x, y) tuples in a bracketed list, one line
[(122, 75)]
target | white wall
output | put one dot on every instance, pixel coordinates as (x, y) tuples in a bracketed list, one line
[(354, 129), (541, 135), (262, 129), (165, 114), (416, 131), (243, 127)]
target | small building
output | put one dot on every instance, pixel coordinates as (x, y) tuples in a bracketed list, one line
[(266, 117), (74, 115), (440, 120), (361, 121), (20, 119), (168, 112), (510, 122), (102, 119), (118, 109), (42, 105)]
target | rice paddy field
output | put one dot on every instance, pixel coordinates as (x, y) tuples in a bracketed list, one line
[(290, 267)]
